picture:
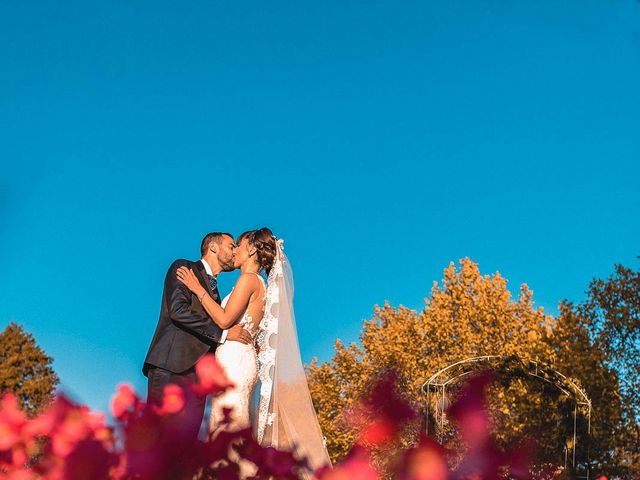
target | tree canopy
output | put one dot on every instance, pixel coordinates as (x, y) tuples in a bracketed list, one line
[(469, 314), (25, 369)]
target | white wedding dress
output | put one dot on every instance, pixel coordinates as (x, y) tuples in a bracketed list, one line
[(286, 418), (241, 364)]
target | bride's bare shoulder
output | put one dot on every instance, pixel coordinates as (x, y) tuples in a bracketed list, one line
[(248, 280)]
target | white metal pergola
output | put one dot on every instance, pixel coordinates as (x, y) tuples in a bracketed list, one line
[(451, 374)]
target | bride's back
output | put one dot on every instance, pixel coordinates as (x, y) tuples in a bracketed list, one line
[(254, 312), (255, 309)]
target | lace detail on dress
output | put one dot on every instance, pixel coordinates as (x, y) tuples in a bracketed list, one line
[(266, 347), (241, 364)]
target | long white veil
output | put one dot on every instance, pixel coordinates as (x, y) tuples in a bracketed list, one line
[(286, 417)]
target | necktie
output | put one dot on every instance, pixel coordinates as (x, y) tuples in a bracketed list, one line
[(213, 283)]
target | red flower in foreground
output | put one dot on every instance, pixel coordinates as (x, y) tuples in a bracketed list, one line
[(378, 432), (381, 415), (212, 379), (12, 420), (68, 442), (173, 400), (356, 466), (427, 461), (123, 401), (470, 411)]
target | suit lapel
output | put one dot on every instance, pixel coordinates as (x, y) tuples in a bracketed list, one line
[(202, 277), (201, 273)]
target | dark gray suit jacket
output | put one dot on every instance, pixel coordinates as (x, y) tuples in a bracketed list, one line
[(185, 332)]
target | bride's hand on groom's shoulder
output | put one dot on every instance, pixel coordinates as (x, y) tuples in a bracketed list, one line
[(186, 276), (238, 334)]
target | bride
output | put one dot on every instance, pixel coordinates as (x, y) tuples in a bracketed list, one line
[(286, 418)]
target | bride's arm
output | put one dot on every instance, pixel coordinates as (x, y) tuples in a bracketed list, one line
[(236, 306)]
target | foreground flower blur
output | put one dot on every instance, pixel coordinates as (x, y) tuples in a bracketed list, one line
[(67, 441)]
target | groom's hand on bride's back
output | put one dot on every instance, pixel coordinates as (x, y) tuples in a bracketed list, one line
[(238, 334)]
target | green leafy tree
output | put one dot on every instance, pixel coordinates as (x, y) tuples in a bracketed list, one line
[(25, 369), (612, 315), (575, 353)]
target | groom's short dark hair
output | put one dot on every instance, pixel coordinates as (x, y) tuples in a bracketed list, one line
[(209, 238)]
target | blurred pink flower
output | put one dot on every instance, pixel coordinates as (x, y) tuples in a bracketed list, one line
[(470, 412), (378, 432), (69, 442), (21, 475), (12, 421), (427, 461), (123, 401), (355, 467), (173, 400), (212, 379)]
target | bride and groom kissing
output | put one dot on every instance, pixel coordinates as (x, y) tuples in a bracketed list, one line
[(252, 334)]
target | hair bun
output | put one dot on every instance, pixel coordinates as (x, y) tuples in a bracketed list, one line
[(266, 249)]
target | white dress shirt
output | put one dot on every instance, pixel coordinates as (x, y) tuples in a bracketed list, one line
[(207, 268)]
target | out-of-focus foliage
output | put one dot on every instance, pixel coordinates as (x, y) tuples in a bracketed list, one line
[(68, 442), (467, 315)]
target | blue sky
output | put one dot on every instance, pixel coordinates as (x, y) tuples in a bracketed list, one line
[(382, 140)]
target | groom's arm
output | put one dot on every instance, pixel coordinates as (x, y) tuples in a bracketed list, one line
[(180, 310)]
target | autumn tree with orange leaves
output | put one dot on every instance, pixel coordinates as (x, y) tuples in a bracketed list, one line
[(25, 369), (466, 315)]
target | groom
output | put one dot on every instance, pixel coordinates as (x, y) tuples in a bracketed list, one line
[(185, 333)]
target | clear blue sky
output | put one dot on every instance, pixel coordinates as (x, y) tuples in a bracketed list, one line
[(382, 140)]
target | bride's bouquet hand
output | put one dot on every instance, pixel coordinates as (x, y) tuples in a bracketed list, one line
[(186, 276)]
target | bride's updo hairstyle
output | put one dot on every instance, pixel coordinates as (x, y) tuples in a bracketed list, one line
[(265, 245)]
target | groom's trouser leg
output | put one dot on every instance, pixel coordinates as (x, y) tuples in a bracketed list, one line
[(191, 416)]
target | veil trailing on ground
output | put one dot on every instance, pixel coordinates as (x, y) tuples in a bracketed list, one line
[(286, 417)]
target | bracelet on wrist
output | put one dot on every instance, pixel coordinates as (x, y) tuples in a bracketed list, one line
[(202, 296)]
